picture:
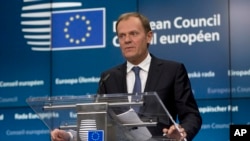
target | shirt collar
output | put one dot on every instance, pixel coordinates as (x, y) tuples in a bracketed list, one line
[(144, 65)]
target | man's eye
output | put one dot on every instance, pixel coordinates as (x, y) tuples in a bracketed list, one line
[(134, 33), (121, 36)]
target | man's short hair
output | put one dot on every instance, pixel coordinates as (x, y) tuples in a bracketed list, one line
[(144, 20)]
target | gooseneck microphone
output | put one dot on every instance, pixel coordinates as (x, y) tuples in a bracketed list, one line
[(102, 82)]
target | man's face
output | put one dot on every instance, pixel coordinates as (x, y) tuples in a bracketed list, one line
[(133, 40)]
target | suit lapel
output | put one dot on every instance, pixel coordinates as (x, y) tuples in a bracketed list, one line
[(123, 72), (153, 74)]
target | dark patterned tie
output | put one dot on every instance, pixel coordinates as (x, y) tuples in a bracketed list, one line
[(137, 85)]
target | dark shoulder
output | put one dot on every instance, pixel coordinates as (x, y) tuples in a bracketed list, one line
[(160, 61)]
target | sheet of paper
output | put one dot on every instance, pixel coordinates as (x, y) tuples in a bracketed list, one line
[(140, 133)]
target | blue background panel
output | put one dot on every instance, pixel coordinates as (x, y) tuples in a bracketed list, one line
[(207, 62), (219, 70), (22, 124), (240, 70), (216, 116)]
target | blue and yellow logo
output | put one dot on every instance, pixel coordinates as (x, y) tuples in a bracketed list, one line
[(47, 26), (96, 135)]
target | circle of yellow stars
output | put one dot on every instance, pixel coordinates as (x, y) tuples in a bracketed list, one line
[(95, 136), (83, 38)]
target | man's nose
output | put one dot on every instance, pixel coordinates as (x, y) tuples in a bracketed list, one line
[(127, 39)]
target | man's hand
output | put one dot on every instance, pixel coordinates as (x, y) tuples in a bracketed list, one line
[(59, 135), (173, 133)]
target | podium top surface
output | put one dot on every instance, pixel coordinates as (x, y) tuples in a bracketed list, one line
[(61, 110)]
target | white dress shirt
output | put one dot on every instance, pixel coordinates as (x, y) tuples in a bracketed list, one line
[(144, 65)]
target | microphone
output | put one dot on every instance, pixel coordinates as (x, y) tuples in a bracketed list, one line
[(102, 81)]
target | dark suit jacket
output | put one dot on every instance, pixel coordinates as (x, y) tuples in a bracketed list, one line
[(169, 79)]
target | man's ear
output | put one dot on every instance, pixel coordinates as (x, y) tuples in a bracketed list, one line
[(149, 36)]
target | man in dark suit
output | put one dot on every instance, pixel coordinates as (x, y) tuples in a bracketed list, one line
[(168, 78)]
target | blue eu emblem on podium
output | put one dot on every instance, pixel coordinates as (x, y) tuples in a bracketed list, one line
[(96, 135)]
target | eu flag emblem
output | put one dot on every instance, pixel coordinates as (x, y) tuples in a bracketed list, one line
[(78, 29), (96, 135)]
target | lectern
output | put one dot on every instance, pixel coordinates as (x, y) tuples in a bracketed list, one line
[(106, 117)]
